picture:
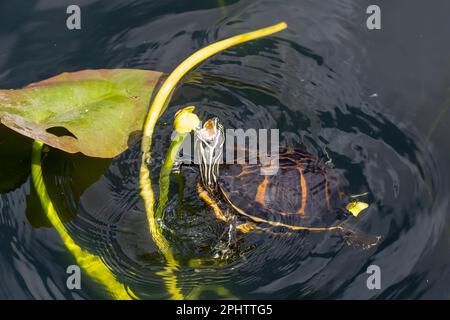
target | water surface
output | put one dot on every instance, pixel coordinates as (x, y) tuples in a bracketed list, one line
[(376, 100)]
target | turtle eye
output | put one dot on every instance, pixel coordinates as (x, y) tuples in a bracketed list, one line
[(210, 130), (211, 136), (210, 125)]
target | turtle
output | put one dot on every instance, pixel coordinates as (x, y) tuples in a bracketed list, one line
[(305, 193)]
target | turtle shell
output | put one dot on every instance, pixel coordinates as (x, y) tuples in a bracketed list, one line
[(303, 192)]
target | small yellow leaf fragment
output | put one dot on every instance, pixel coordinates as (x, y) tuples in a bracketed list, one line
[(186, 120), (356, 207)]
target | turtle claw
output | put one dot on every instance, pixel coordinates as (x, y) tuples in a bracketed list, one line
[(358, 239), (225, 249), (328, 161)]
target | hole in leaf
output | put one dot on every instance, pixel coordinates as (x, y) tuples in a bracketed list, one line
[(60, 132)]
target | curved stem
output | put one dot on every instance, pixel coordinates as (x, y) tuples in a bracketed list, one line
[(90, 263), (164, 174), (168, 273)]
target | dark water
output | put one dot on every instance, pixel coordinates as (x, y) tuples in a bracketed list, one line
[(378, 100)]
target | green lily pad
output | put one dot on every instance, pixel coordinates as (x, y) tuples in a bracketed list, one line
[(96, 112)]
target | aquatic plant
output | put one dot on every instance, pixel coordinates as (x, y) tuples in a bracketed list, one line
[(81, 127)]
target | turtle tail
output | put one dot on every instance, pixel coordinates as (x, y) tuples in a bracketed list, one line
[(356, 238)]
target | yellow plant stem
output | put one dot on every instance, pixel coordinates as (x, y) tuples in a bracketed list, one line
[(90, 263), (160, 101), (168, 273), (164, 175)]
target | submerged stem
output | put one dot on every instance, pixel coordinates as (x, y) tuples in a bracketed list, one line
[(90, 263), (164, 174)]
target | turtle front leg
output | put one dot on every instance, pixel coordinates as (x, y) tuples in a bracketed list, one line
[(227, 244), (204, 195)]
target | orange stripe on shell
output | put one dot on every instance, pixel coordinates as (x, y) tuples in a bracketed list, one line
[(261, 192), (327, 193), (304, 187)]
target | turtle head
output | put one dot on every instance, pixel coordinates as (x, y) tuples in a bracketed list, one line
[(209, 140)]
